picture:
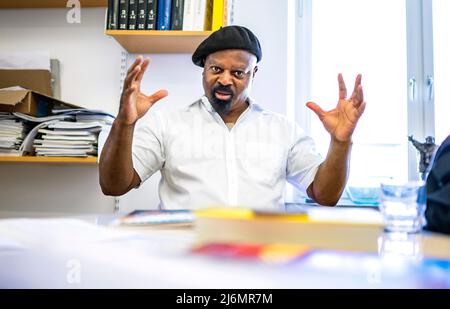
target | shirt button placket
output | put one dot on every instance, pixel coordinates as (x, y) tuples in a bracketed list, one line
[(231, 169)]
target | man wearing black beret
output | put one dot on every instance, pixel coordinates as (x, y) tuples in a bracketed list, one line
[(224, 149)]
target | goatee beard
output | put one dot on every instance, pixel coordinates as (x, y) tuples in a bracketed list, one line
[(221, 106)]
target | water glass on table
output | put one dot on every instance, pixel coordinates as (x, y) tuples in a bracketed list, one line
[(402, 205)]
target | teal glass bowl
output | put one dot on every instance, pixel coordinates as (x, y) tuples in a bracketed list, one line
[(363, 195)]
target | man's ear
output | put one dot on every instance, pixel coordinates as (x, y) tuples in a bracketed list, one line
[(255, 70)]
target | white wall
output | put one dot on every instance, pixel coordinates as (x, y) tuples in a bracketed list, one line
[(90, 60), (90, 72), (268, 20), (49, 188)]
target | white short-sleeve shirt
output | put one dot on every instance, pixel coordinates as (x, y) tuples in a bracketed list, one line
[(204, 163)]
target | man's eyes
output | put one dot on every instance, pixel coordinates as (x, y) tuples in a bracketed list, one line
[(215, 69), (239, 74)]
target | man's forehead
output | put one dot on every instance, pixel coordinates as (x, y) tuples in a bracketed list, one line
[(232, 56)]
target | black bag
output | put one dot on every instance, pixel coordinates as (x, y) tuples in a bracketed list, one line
[(438, 191)]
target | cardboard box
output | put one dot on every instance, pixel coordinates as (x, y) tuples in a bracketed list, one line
[(30, 102), (36, 97), (36, 80)]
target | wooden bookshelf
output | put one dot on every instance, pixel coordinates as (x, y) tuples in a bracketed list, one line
[(23, 4), (167, 41), (53, 160), (157, 42)]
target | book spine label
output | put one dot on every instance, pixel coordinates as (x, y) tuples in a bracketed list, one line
[(115, 15), (123, 16), (152, 8), (142, 12), (188, 15), (199, 15), (177, 14), (132, 14), (164, 15)]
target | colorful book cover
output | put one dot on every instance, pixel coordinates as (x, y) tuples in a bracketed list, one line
[(217, 15), (156, 217), (164, 15), (340, 267), (270, 253)]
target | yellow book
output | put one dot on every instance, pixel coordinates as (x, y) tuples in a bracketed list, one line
[(329, 228), (208, 15), (217, 14)]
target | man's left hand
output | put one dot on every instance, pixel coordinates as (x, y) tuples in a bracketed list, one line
[(341, 121)]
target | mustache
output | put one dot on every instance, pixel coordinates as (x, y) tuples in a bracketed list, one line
[(223, 89)]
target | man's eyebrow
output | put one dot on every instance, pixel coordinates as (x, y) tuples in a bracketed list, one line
[(212, 64), (239, 67)]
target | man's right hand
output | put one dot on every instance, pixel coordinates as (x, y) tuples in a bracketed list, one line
[(133, 103)]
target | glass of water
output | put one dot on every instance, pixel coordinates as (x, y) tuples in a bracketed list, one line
[(403, 206)]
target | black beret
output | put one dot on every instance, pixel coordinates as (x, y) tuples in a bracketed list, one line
[(229, 37)]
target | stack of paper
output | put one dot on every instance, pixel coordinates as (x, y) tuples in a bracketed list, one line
[(86, 115), (12, 131), (68, 139), (66, 133), (34, 119)]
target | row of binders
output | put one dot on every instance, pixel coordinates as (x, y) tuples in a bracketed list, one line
[(67, 133), (187, 15)]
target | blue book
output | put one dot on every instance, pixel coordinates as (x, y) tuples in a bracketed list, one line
[(157, 217), (164, 15)]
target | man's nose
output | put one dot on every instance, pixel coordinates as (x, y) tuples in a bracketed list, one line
[(225, 79)]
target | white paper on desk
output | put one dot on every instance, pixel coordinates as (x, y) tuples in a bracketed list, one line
[(350, 215), (52, 232), (7, 244), (25, 61)]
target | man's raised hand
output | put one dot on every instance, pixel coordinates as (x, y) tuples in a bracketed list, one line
[(341, 121), (133, 103)]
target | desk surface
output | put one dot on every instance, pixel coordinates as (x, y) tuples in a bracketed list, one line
[(82, 253)]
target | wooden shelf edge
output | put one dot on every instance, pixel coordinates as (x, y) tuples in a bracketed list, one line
[(163, 33), (157, 42), (55, 160)]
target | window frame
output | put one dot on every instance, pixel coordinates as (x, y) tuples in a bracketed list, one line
[(420, 67)]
